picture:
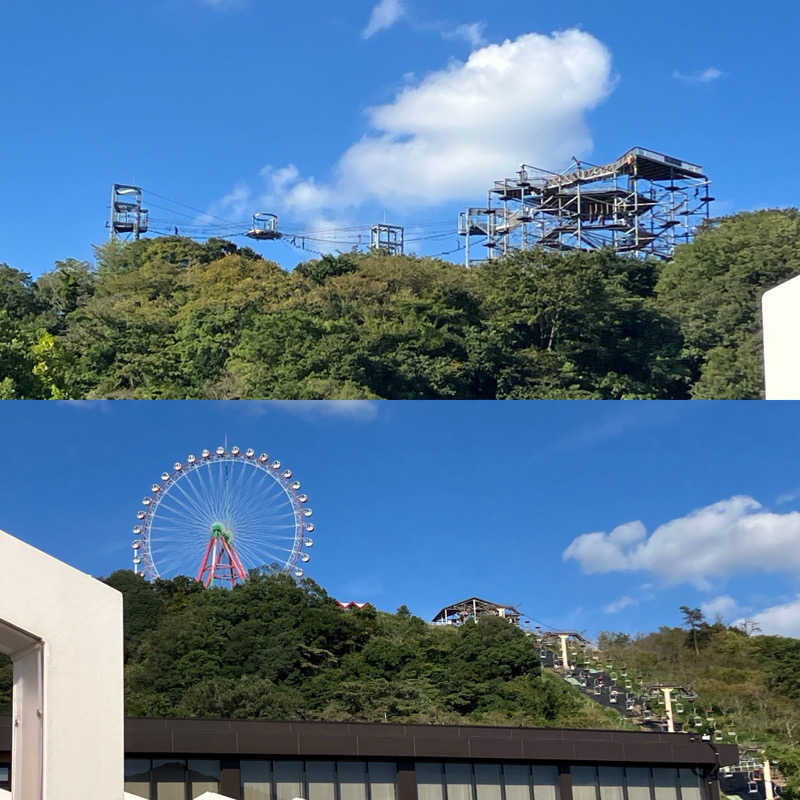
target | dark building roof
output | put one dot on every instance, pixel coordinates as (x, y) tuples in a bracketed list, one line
[(362, 740)]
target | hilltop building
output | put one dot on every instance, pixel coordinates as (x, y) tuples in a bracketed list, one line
[(473, 608)]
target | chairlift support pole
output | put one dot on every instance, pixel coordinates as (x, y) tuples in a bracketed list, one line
[(768, 793)]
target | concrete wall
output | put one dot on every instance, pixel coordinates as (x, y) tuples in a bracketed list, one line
[(781, 315), (63, 629)]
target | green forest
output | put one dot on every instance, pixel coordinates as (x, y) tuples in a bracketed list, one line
[(172, 318)]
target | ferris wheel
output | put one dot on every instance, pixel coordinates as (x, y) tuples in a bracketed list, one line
[(220, 514)]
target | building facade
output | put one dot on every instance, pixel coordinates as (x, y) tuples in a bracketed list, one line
[(178, 759)]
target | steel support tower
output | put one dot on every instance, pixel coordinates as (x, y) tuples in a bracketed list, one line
[(387, 239), (643, 204), (127, 214)]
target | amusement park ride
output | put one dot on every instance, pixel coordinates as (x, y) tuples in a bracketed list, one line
[(642, 204), (219, 515)]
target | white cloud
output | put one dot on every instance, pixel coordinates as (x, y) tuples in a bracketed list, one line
[(383, 16), (779, 620), (702, 76), (787, 497), (357, 410), (722, 606), (471, 32), (438, 141), (730, 536), (224, 5), (95, 406), (621, 603)]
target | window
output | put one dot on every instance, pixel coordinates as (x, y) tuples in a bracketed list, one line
[(517, 780), (137, 777), (314, 780), (256, 780), (692, 787), (203, 776), (170, 779), (321, 777), (459, 781), (611, 787), (382, 780), (638, 779), (584, 783), (429, 781), (488, 782), (665, 783), (545, 783), (352, 780), (288, 779), (4, 777)]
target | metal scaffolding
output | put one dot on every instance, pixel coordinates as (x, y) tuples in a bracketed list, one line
[(642, 204), (127, 214), (387, 239)]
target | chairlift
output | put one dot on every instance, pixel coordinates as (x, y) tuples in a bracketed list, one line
[(718, 737), (752, 787), (678, 708), (265, 226), (628, 685)]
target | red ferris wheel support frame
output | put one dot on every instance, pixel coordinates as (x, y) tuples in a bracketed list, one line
[(220, 562)]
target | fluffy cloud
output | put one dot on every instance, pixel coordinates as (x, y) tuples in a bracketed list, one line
[(621, 603), (780, 620), (703, 76), (383, 16), (449, 134), (722, 606), (712, 542)]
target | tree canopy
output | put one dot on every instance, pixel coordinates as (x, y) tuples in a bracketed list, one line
[(278, 649), (169, 317)]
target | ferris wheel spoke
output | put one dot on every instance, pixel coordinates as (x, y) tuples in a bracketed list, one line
[(213, 491), (255, 520), (189, 500), (205, 487), (283, 549), (250, 474), (265, 556), (194, 486), (175, 506), (178, 518)]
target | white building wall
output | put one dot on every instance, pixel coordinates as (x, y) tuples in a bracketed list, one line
[(79, 622), (781, 318)]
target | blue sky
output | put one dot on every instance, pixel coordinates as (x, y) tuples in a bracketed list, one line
[(334, 115), (429, 503)]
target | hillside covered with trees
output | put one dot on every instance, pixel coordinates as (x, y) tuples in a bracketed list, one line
[(169, 317), (749, 684), (275, 648)]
